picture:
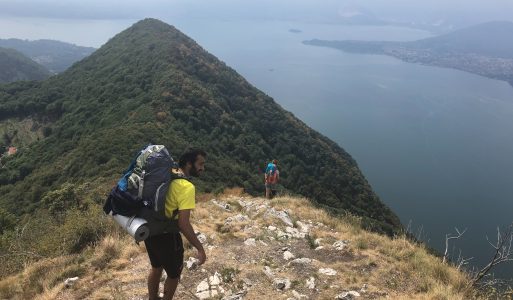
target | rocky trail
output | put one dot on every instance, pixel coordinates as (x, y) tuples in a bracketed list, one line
[(279, 249)]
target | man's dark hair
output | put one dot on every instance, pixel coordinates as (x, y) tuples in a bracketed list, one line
[(190, 156)]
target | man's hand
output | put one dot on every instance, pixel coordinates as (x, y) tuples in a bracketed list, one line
[(187, 230), (202, 257)]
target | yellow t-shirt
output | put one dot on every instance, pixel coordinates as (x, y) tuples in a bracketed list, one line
[(182, 195)]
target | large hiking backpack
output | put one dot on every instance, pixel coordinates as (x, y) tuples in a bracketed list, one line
[(271, 173), (142, 190), (270, 169)]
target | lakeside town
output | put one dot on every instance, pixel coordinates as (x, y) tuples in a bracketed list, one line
[(493, 67)]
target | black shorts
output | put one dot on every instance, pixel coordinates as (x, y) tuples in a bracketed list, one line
[(166, 251)]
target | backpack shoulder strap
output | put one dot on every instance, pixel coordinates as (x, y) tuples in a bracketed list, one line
[(175, 175)]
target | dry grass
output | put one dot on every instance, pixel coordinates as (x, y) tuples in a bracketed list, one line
[(10, 287), (40, 277), (402, 268), (108, 249), (394, 267)]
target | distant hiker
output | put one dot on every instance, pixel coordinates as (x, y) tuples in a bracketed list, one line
[(166, 250), (271, 176)]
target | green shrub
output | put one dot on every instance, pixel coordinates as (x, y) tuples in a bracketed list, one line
[(228, 274), (310, 239), (362, 244), (7, 220)]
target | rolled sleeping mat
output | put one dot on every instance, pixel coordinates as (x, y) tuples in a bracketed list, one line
[(136, 227)]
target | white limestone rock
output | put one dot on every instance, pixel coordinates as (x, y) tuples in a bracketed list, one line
[(328, 271), (262, 207), (348, 295), (287, 255), (237, 218), (245, 204), (215, 279), (237, 296), (250, 242), (298, 296), (340, 245), (301, 261), (303, 228), (268, 272), (210, 287), (282, 215), (70, 281), (206, 294), (202, 286), (192, 263), (295, 233), (310, 283), (282, 235), (202, 238), (282, 284), (222, 205)]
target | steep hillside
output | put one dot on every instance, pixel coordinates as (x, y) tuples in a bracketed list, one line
[(56, 56), (256, 249), (15, 66), (152, 83)]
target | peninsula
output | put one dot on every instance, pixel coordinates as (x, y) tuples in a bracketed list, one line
[(484, 49)]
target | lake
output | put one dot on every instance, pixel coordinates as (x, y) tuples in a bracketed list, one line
[(435, 144)]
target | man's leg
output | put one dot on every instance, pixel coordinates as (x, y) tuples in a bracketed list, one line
[(153, 283), (170, 288)]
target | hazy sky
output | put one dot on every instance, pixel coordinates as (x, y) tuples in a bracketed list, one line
[(91, 23)]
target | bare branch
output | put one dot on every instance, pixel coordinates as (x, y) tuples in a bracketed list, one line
[(494, 247), (461, 261), (451, 237), (502, 253)]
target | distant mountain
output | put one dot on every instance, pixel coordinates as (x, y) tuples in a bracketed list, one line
[(153, 83), (354, 14), (54, 55), (485, 49), (15, 66), (493, 39), (358, 15)]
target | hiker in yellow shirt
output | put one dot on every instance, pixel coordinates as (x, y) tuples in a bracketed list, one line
[(166, 250)]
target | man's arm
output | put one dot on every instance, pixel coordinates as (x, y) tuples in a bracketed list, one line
[(187, 230)]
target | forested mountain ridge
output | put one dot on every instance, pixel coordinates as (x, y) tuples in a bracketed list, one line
[(56, 56), (151, 83), (15, 66)]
